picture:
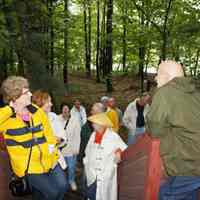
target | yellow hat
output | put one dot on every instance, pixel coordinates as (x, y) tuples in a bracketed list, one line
[(101, 119)]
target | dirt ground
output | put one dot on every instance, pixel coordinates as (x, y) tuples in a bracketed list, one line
[(125, 89)]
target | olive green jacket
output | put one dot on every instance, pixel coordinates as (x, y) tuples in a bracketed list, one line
[(174, 118)]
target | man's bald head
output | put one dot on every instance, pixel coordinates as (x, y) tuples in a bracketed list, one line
[(167, 71), (97, 108)]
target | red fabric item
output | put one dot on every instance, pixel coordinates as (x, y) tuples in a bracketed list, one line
[(98, 137), (139, 172)]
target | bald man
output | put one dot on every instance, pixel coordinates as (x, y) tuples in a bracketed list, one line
[(87, 130), (174, 118)]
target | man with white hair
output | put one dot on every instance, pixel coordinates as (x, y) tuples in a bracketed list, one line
[(174, 118), (87, 129), (111, 112), (104, 100)]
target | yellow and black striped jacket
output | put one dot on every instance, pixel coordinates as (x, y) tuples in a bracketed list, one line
[(19, 138)]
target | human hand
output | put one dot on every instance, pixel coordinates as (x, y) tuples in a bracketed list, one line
[(117, 153), (58, 140)]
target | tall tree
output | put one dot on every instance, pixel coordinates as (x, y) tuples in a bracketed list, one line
[(142, 48), (51, 9), (102, 56), (160, 22), (87, 29), (65, 67), (47, 37), (3, 65), (32, 18), (165, 31), (124, 34), (109, 37), (89, 38), (97, 43)]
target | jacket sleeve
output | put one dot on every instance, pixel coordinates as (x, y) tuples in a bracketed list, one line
[(120, 143), (73, 131), (157, 117), (57, 127), (5, 113)]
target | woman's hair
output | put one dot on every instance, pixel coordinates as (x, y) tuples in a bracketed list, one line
[(63, 104), (12, 87), (40, 97)]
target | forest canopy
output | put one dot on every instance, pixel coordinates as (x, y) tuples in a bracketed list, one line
[(46, 39)]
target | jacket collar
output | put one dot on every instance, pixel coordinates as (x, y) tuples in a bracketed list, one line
[(31, 108)]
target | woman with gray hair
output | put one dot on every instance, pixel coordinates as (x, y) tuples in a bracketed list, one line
[(28, 135)]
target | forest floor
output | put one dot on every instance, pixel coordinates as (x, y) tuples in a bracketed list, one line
[(88, 91)]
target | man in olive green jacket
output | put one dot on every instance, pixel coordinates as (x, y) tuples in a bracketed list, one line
[(174, 118)]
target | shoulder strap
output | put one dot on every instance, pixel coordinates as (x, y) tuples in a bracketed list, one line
[(66, 124), (29, 158)]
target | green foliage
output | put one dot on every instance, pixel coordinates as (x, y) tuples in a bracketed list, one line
[(23, 27)]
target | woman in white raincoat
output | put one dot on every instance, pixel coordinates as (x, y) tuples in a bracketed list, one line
[(102, 154)]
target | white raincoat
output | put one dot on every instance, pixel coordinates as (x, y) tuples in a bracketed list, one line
[(100, 164), (58, 132), (130, 116)]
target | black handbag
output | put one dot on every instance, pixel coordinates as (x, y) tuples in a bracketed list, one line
[(19, 186)]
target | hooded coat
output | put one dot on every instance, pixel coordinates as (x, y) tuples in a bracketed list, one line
[(174, 118)]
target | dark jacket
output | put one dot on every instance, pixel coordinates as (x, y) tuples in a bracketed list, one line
[(174, 118)]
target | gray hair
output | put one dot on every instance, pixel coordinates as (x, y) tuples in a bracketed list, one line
[(12, 87), (104, 99), (100, 107)]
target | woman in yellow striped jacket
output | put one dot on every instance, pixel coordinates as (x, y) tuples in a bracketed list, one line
[(26, 126)]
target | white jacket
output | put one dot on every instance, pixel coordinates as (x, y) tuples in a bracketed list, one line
[(56, 125), (100, 164), (71, 135), (81, 115), (130, 116), (58, 132)]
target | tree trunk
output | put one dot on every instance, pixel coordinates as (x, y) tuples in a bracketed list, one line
[(65, 67), (10, 24), (86, 36), (89, 40), (3, 66), (109, 37), (46, 41), (196, 62), (165, 32), (124, 35), (102, 45), (51, 38), (97, 47), (141, 51), (20, 66)]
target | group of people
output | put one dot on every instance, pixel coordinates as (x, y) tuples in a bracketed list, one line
[(43, 146), (54, 142)]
